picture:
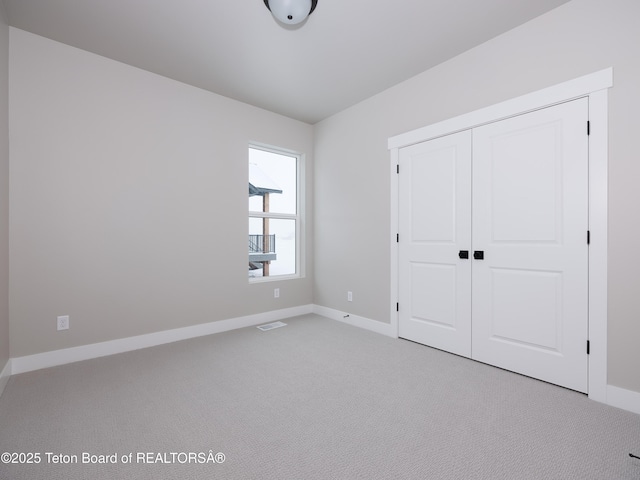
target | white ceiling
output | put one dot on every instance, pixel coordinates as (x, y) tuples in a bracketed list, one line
[(345, 52)]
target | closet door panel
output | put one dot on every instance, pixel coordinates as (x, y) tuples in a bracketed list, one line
[(435, 225), (530, 219)]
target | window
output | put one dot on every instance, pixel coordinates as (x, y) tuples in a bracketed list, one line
[(274, 213)]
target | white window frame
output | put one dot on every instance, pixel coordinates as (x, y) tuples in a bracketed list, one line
[(298, 217)]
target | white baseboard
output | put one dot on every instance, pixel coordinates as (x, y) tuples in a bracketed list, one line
[(355, 320), (85, 352), (624, 399), (5, 373)]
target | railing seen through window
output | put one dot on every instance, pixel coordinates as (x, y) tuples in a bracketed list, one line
[(262, 243)]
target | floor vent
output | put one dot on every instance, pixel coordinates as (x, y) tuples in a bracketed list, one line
[(271, 326)]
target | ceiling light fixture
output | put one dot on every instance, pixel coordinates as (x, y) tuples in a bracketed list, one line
[(291, 12)]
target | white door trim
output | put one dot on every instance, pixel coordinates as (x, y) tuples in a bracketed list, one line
[(595, 87), (579, 87)]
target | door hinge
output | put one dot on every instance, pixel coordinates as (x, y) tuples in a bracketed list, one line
[(398, 307), (588, 127), (588, 347), (588, 237), (397, 238), (398, 168)]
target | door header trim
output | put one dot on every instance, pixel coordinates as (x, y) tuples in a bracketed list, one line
[(579, 87)]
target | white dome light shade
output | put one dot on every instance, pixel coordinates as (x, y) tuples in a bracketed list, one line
[(291, 12)]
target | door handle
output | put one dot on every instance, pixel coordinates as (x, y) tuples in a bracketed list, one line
[(478, 254), (464, 254)]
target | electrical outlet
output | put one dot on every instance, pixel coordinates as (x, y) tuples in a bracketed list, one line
[(350, 296), (63, 322), (276, 293)]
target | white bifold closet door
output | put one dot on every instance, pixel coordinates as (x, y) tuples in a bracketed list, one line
[(493, 244), (435, 226)]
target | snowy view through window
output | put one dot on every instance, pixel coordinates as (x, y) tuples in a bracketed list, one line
[(273, 213)]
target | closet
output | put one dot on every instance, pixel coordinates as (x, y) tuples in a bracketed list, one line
[(493, 243)]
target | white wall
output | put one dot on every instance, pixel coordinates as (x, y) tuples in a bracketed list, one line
[(129, 200), (352, 161), (4, 192)]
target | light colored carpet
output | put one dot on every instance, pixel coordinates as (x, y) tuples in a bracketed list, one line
[(316, 399)]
